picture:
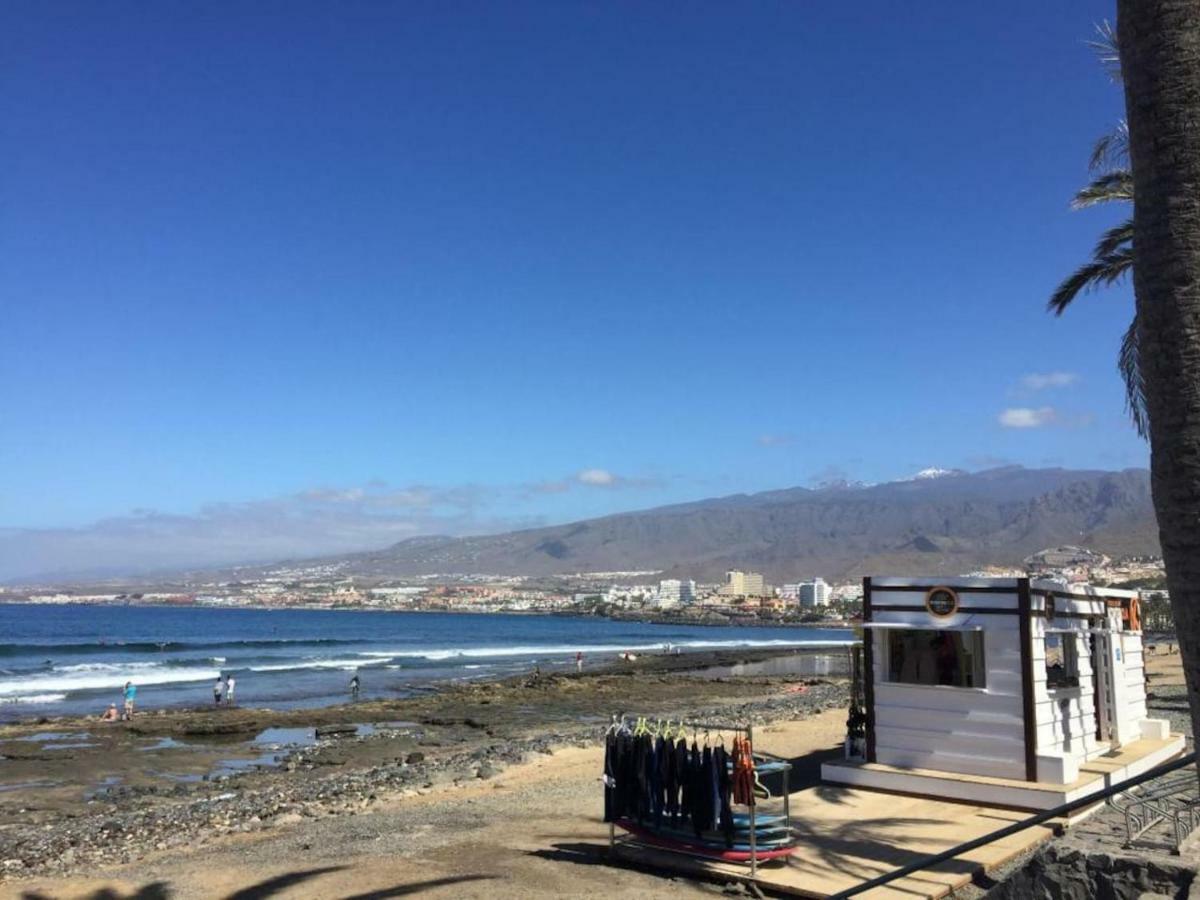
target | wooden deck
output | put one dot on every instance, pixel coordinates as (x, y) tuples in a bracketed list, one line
[(1094, 776), (850, 835)]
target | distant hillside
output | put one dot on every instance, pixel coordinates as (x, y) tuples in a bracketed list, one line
[(939, 522)]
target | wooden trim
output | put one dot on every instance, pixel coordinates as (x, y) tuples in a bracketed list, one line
[(869, 669), (942, 799), (1041, 614), (1067, 595), (988, 611), (1093, 661), (1028, 708), (957, 588), (962, 610)]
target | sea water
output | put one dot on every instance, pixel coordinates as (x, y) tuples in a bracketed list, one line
[(72, 659)]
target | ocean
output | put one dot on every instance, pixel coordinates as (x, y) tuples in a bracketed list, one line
[(75, 659)]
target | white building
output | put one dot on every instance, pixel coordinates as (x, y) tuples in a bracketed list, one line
[(673, 592), (814, 594), (1027, 693)]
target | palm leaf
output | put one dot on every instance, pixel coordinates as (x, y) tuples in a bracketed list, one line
[(1112, 150), (1131, 374), (1107, 188), (1100, 272), (1114, 240), (1108, 49)]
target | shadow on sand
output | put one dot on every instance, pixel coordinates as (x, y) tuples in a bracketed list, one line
[(160, 890)]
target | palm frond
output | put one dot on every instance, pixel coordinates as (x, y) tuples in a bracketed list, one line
[(1108, 49), (1111, 187), (1131, 374), (1114, 240), (1101, 271), (1112, 150)]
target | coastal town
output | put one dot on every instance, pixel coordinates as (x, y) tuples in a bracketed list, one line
[(744, 597)]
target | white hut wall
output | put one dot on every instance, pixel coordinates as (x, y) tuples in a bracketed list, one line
[(975, 730), (1065, 716)]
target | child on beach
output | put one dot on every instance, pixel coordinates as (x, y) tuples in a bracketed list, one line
[(229, 683), (110, 714), (217, 692), (130, 694), (354, 687)]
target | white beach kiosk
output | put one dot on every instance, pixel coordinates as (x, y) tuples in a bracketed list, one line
[(1006, 691)]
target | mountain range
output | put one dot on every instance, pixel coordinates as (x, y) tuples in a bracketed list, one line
[(940, 521)]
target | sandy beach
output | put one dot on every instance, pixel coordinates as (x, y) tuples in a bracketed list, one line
[(475, 790), (506, 805), (534, 831)]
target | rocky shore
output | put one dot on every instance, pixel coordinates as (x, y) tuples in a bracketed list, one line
[(457, 736)]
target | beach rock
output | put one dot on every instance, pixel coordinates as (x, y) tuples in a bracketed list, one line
[(335, 730), (415, 757), (485, 771)]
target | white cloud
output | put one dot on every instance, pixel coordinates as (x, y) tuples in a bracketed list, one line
[(314, 522), (309, 523), (1040, 381), (1025, 417), (589, 478), (597, 477)]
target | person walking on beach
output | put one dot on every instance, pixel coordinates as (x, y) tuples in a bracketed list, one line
[(578, 660), (229, 685), (354, 687), (217, 692), (130, 694)]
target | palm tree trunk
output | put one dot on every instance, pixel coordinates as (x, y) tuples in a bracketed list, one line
[(1160, 64)]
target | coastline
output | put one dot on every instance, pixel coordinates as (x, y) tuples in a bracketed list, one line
[(710, 616), (458, 734)]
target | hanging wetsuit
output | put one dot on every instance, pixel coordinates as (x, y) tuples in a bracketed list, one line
[(645, 766), (610, 777), (743, 772), (724, 788), (696, 790), (663, 753), (681, 778), (702, 806), (627, 783)]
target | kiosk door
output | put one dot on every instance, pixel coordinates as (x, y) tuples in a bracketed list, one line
[(1102, 681), (1114, 717)]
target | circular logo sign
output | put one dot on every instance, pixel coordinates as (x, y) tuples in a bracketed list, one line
[(941, 601)]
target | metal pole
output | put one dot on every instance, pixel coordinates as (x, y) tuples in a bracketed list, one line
[(753, 804), (1041, 817)]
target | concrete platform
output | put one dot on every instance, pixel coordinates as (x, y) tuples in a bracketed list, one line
[(849, 835), (1094, 776)]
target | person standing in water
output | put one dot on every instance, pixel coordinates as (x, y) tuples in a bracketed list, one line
[(229, 684), (578, 660), (217, 692), (130, 694), (354, 687)]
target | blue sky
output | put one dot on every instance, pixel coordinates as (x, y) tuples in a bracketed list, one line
[(286, 276)]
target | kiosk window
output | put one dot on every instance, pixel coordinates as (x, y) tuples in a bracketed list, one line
[(1062, 661), (919, 656)]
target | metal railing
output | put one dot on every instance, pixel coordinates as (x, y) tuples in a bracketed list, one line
[(1174, 802), (946, 855)]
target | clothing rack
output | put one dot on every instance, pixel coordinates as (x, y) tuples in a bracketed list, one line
[(769, 765)]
